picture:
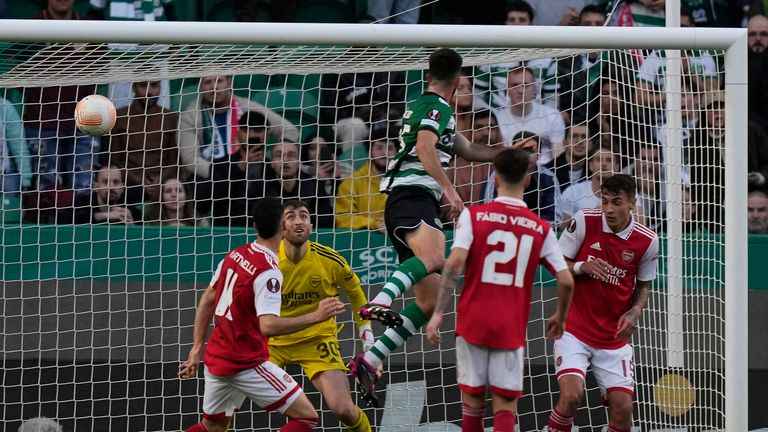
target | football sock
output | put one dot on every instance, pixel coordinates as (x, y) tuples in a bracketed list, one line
[(612, 428), (413, 319), (471, 418), (559, 422), (300, 425), (504, 421), (197, 427), (362, 424), (410, 272)]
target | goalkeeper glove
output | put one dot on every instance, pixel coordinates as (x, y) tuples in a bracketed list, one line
[(366, 336)]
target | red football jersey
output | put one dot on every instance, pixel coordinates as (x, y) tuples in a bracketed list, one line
[(598, 304), (248, 284), (505, 243)]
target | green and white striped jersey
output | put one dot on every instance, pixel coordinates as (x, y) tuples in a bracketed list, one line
[(429, 112), (132, 10)]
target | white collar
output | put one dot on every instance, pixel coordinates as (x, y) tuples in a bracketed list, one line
[(264, 249), (511, 201), (623, 234)]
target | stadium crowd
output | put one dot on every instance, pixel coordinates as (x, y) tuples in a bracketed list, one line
[(580, 115)]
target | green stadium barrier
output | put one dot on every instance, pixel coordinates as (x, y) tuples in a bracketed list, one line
[(153, 253)]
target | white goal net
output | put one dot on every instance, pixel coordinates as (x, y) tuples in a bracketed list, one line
[(108, 242)]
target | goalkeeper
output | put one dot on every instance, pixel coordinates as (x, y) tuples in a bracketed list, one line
[(313, 272)]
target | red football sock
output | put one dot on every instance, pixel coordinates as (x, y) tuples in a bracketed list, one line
[(471, 418), (559, 422), (197, 427), (504, 421), (612, 428), (300, 425)]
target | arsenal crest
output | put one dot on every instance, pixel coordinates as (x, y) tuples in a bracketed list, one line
[(273, 285), (314, 281), (627, 256), (434, 115)]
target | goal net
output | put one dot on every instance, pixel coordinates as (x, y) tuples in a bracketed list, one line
[(107, 243)]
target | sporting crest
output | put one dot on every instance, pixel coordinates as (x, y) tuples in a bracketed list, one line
[(627, 256)]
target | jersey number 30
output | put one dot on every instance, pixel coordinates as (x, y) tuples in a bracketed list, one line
[(222, 307), (512, 248)]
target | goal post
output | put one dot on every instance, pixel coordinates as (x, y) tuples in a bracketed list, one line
[(188, 51)]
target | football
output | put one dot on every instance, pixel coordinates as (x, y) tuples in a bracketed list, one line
[(95, 115)]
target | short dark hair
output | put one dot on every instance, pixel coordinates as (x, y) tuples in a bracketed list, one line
[(266, 215), (382, 134), (294, 203), (512, 165), (444, 64), (591, 8), (252, 120), (618, 183), (520, 6), (484, 114)]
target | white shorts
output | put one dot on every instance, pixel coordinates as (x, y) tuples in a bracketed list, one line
[(479, 366), (268, 385), (613, 369)]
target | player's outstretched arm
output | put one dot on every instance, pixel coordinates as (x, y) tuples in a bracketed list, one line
[(203, 316), (273, 325), (556, 323), (451, 272), (628, 321)]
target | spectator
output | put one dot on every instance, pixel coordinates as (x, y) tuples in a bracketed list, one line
[(526, 114), (129, 10), (559, 12), (353, 102), (469, 177), (689, 108), (15, 165), (615, 116), (757, 35), (464, 104), (490, 82), (575, 74), (571, 166), (542, 194), (757, 156), (65, 155), (235, 184), (279, 11), (637, 13), (209, 125), (704, 153), (143, 143), (107, 202), (40, 424), (318, 159), (175, 208), (757, 211), (394, 11), (283, 181), (603, 163), (359, 204)]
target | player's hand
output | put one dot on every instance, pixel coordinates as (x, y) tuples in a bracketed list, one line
[(433, 328), (627, 324), (555, 326), (455, 204), (188, 369), (596, 267), (328, 308)]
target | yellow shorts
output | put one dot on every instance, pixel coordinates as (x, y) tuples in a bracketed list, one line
[(313, 355)]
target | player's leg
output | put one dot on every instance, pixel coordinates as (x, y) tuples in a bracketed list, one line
[(472, 363), (334, 386), (505, 376), (220, 400), (273, 389), (571, 362), (614, 373)]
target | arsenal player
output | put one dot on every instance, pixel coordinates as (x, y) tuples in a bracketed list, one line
[(245, 295), (613, 259), (501, 244)]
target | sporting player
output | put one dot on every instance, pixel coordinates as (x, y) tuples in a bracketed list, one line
[(312, 273), (501, 244), (416, 181), (613, 259), (244, 294)]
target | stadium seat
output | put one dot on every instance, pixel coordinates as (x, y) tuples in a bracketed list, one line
[(10, 209)]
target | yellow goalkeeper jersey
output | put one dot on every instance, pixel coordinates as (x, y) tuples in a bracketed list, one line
[(319, 274)]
